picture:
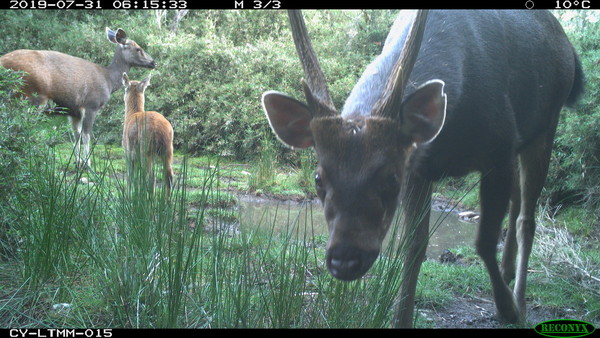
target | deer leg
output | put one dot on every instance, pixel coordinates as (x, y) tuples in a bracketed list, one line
[(76, 125), (510, 243), (495, 191), (417, 208), (130, 171), (535, 160), (85, 159), (168, 173), (150, 181), (168, 167), (89, 116)]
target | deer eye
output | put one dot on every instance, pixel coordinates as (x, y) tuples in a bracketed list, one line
[(320, 185), (318, 180)]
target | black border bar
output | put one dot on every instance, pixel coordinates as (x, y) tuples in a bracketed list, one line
[(297, 4)]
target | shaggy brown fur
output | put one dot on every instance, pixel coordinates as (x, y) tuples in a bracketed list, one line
[(146, 133)]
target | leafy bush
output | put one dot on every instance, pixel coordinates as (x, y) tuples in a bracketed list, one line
[(215, 67), (18, 142), (575, 168), (213, 71), (17, 138)]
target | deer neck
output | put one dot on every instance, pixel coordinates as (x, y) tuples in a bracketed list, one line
[(115, 70), (134, 104)]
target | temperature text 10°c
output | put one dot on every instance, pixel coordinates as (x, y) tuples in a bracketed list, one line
[(566, 4)]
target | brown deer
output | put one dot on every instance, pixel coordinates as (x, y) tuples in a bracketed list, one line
[(146, 134), (470, 91), (80, 86)]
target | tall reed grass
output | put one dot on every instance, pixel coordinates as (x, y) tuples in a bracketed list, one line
[(121, 255), (148, 267)]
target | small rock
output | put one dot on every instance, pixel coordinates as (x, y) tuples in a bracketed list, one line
[(448, 257), (62, 307), (469, 216), (85, 180)]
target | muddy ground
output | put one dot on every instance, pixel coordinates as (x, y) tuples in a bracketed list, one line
[(467, 312)]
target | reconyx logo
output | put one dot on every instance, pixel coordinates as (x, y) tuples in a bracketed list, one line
[(564, 328)]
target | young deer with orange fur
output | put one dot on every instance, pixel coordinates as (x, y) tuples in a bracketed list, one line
[(470, 91), (146, 135), (80, 86)]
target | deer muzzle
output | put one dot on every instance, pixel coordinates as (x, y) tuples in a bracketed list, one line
[(346, 262)]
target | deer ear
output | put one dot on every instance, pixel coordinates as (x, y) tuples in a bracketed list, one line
[(111, 35), (289, 119), (120, 36), (144, 84), (424, 112)]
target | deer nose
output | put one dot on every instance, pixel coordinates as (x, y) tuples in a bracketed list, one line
[(348, 262)]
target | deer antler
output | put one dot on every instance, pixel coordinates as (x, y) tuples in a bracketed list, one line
[(314, 84), (389, 104)]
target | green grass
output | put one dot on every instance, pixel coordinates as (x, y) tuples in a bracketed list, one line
[(441, 283), (566, 267), (563, 276), (576, 220), (122, 257)]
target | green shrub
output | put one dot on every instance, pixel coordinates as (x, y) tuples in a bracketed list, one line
[(575, 168), (214, 69), (18, 142), (213, 72)]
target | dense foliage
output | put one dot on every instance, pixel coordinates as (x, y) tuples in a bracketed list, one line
[(213, 70), (108, 254), (575, 171), (214, 66)]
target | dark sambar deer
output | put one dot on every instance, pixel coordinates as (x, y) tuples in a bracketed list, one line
[(80, 86), (470, 91)]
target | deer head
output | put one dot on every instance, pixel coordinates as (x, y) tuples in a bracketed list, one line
[(362, 159), (130, 52)]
